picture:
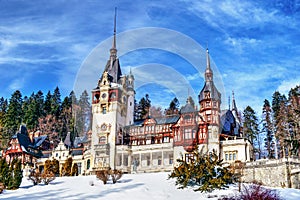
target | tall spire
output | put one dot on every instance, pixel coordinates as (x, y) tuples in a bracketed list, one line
[(113, 50), (233, 103), (228, 102), (208, 71)]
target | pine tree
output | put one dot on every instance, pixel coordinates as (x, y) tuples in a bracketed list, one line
[(83, 115), (205, 171), (268, 128), (4, 172), (66, 117), (173, 107), (294, 120), (142, 108), (282, 129), (47, 103), (13, 117), (15, 174), (251, 129), (31, 112), (3, 134), (56, 103), (277, 98)]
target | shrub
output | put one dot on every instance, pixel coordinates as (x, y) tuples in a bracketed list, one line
[(103, 175), (15, 175), (67, 168), (47, 177), (255, 192), (4, 172), (204, 170), (1, 187), (35, 176), (115, 175), (74, 171)]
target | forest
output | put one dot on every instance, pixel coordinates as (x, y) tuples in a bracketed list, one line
[(49, 114), (274, 131), (276, 134)]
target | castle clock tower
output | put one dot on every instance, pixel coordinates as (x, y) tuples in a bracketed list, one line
[(210, 102), (112, 109)]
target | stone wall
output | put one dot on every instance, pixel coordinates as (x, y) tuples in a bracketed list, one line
[(275, 173)]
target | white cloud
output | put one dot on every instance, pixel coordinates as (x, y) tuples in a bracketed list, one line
[(286, 85), (224, 14), (239, 44), (191, 77)]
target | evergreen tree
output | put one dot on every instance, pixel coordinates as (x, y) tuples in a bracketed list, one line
[(294, 119), (39, 108), (277, 98), (15, 174), (204, 171), (268, 128), (143, 107), (3, 134), (66, 116), (251, 130), (278, 101), (47, 103), (56, 103), (282, 128), (173, 107), (83, 114), (13, 117), (73, 98), (31, 112), (4, 172)]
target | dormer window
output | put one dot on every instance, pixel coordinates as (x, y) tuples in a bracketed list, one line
[(206, 94)]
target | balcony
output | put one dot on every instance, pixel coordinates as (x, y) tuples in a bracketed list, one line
[(102, 148)]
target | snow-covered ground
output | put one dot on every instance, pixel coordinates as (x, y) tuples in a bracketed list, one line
[(129, 187)]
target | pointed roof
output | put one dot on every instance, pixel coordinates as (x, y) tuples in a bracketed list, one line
[(234, 109), (113, 66), (208, 71), (233, 102), (188, 108), (209, 85)]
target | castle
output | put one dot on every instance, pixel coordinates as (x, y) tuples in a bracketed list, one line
[(154, 144), (117, 141)]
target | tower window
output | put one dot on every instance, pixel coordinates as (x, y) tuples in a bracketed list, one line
[(102, 140), (103, 109), (207, 104)]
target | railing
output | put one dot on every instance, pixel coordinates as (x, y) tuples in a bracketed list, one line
[(102, 148)]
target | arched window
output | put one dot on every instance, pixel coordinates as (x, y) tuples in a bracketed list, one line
[(88, 164), (102, 140)]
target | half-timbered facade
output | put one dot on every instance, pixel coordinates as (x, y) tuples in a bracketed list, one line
[(154, 144)]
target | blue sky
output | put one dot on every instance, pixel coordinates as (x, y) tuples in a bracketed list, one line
[(254, 46)]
